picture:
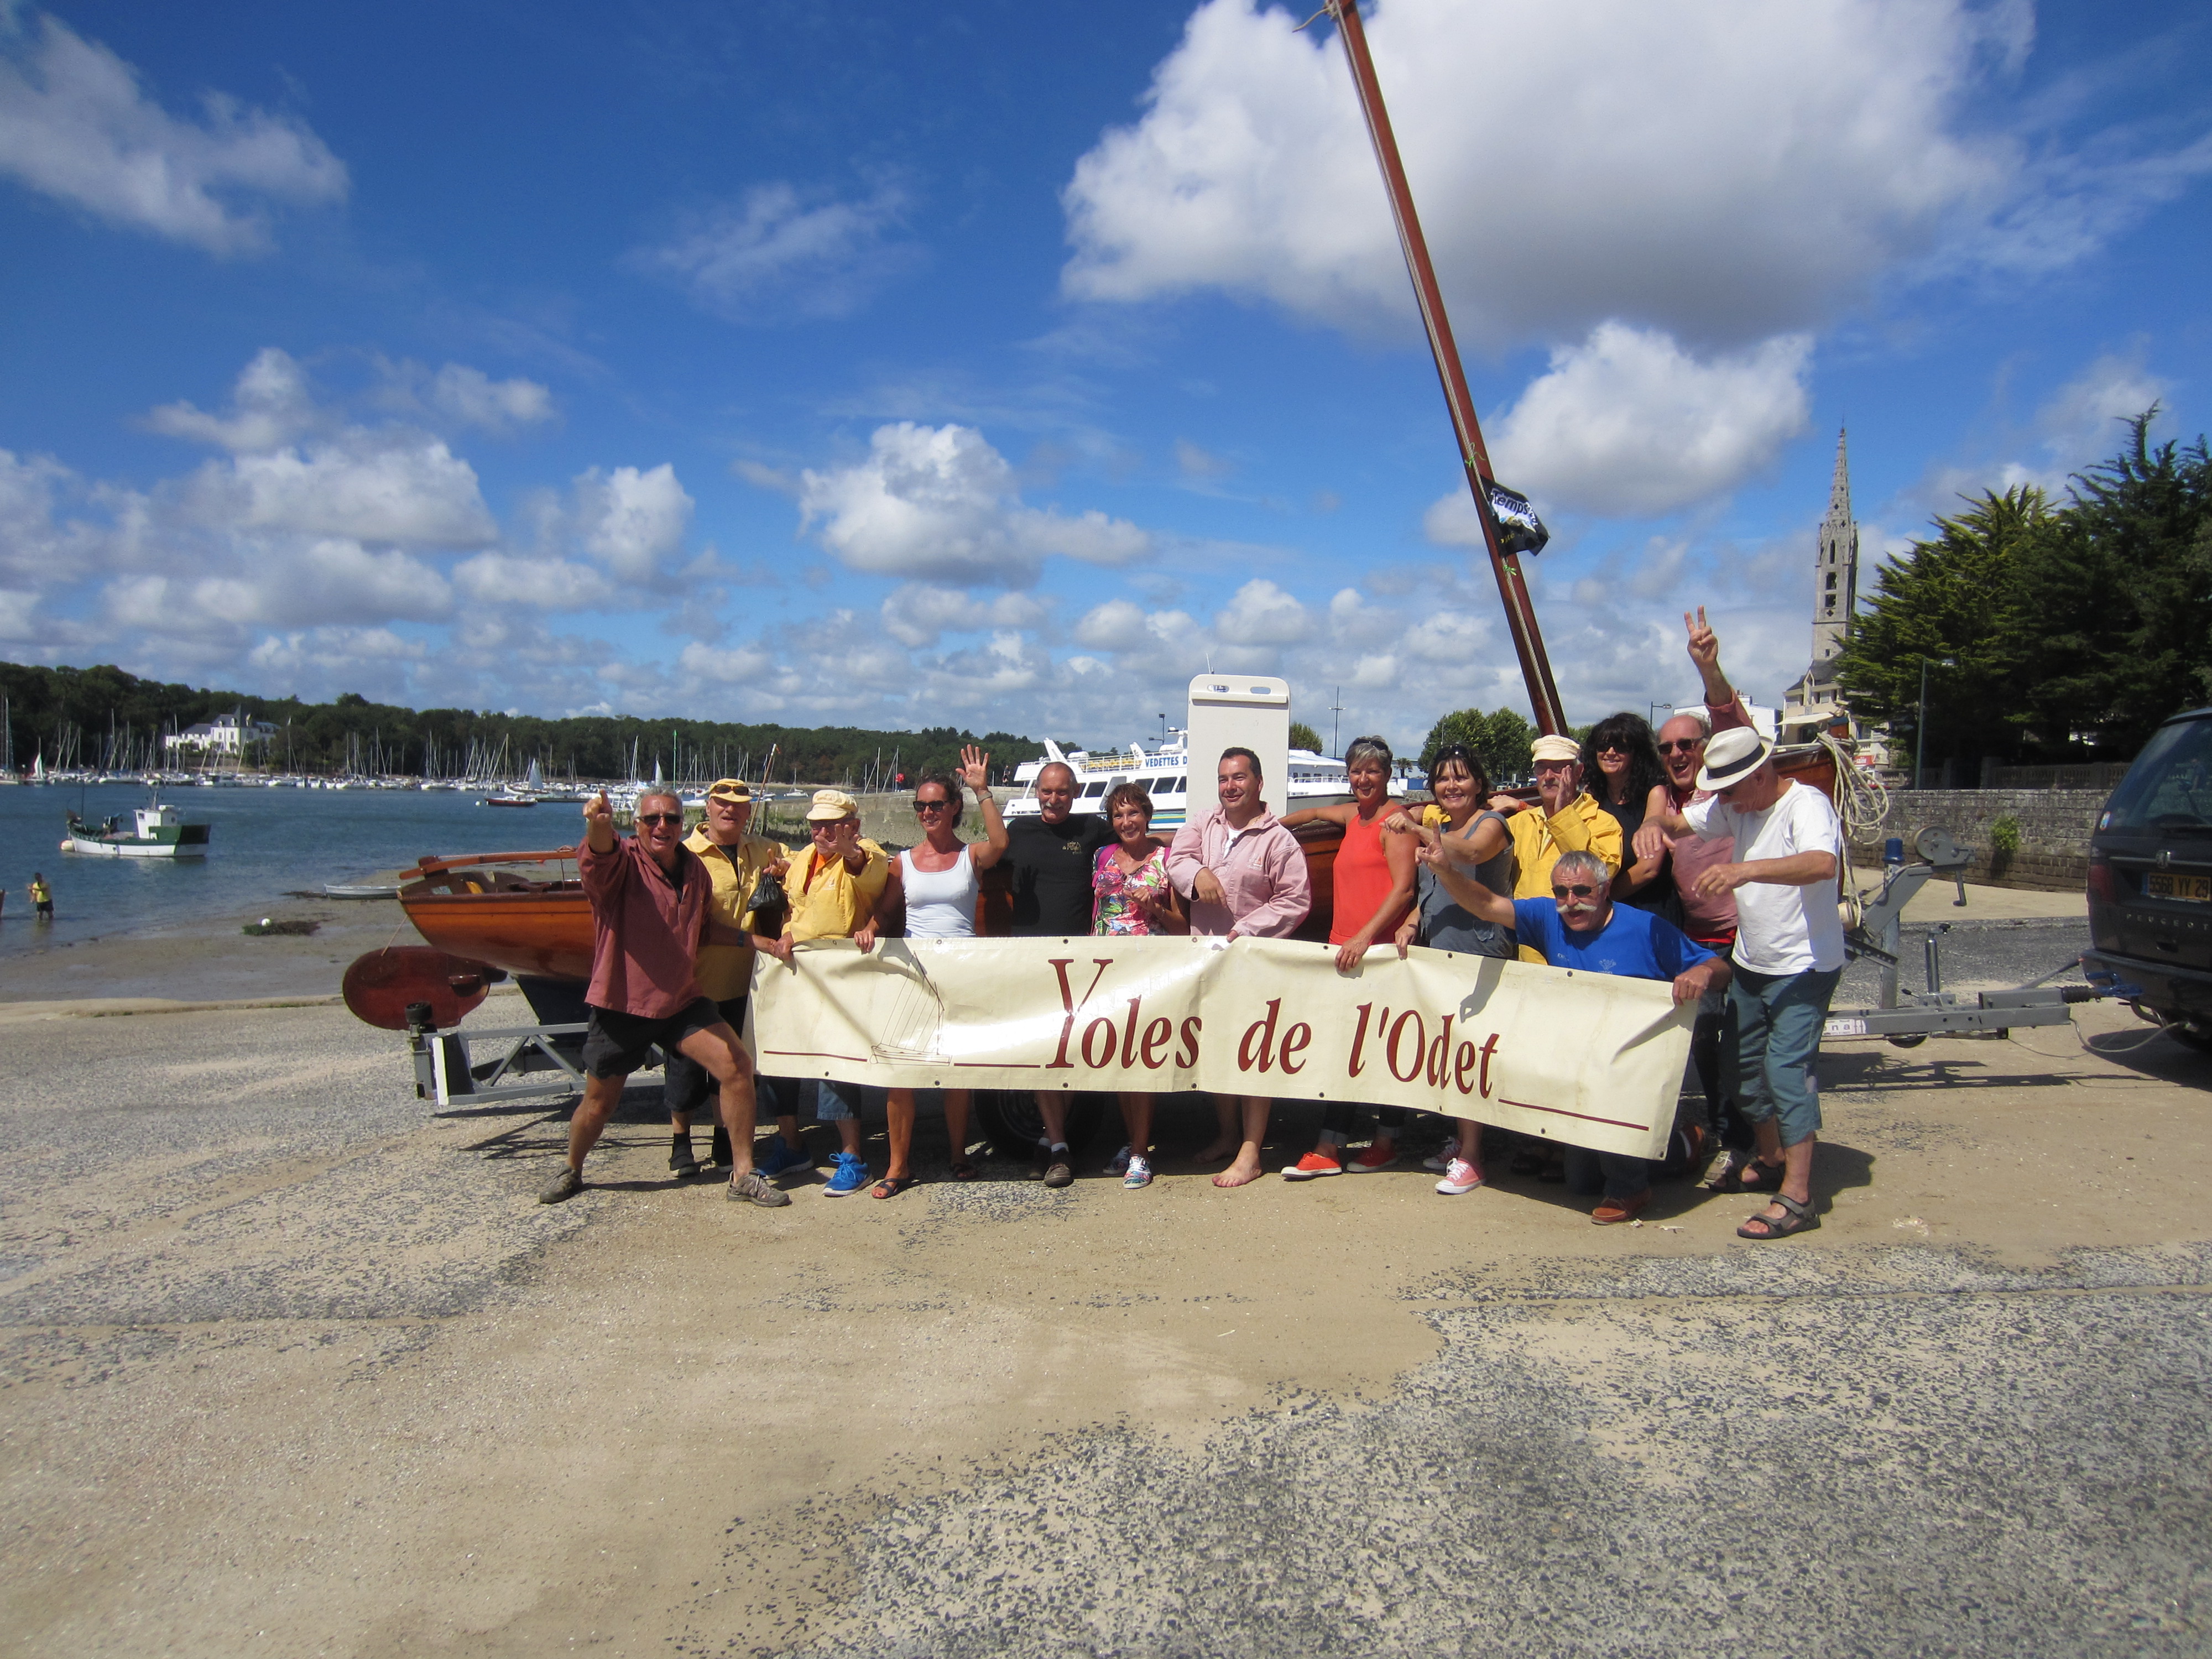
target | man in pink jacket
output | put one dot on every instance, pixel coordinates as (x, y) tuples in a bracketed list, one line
[(1245, 875)]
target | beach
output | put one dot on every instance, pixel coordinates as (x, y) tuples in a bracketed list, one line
[(292, 1362)]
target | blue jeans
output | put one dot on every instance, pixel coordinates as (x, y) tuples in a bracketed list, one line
[(1778, 1022)]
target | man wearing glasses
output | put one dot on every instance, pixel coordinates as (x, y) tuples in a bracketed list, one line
[(648, 895), (735, 862), (1707, 917), (1580, 926)]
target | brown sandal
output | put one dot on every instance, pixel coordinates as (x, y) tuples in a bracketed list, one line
[(1749, 1176)]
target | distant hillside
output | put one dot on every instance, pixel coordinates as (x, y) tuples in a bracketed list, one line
[(86, 715)]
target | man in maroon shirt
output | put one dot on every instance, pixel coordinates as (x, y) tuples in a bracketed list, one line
[(648, 898), (1708, 917)]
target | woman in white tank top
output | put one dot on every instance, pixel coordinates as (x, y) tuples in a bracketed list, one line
[(938, 883)]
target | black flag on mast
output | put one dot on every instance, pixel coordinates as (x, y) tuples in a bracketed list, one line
[(1519, 529)]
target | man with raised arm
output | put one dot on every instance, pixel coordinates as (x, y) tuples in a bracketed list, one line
[(1787, 848), (1708, 917), (1567, 819), (1243, 874), (1578, 926), (1050, 856), (648, 895)]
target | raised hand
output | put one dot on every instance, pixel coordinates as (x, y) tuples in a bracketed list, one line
[(1705, 644), (597, 813), (975, 768)]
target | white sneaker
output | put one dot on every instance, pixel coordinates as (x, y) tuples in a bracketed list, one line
[(1139, 1174), (1445, 1154), (1118, 1163), (1460, 1177)]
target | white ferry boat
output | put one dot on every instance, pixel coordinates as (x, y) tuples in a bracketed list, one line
[(1316, 780)]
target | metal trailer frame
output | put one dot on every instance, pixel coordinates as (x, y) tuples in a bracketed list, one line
[(447, 1070), (1909, 1020)]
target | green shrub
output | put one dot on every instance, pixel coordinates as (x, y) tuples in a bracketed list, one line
[(2004, 834)]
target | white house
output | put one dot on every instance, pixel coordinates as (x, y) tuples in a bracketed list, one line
[(227, 736)]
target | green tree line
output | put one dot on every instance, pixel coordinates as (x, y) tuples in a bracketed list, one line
[(2050, 630), (46, 705)]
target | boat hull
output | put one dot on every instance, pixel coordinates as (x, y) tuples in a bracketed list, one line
[(133, 847)]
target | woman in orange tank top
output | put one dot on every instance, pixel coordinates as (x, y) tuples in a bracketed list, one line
[(1374, 883)]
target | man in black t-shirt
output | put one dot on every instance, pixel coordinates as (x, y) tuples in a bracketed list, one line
[(1051, 857)]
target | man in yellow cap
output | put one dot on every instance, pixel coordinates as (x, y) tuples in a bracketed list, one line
[(834, 882), (735, 862)]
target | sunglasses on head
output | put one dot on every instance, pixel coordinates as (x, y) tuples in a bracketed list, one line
[(1573, 893), (660, 818), (1681, 745)]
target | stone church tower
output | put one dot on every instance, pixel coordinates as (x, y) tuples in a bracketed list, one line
[(1836, 568)]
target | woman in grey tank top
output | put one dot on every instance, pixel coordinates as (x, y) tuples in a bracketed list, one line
[(935, 881)]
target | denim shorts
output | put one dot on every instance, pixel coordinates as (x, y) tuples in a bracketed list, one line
[(1780, 1017)]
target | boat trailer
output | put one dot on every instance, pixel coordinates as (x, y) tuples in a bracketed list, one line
[(1909, 1019), (457, 1067)]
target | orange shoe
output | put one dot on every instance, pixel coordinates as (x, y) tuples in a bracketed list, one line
[(1312, 1167), (1614, 1211), (1371, 1157)]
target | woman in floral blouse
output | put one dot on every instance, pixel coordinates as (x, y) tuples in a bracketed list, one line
[(1131, 896)]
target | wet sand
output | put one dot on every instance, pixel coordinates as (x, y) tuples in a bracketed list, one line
[(289, 1363)]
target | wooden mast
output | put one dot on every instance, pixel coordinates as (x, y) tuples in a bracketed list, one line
[(1520, 612)]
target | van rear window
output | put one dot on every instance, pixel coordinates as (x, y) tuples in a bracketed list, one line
[(2170, 785)]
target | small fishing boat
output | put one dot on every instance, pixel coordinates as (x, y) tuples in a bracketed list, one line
[(360, 890), (155, 832)]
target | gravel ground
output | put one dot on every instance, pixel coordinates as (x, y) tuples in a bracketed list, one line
[(289, 1363)]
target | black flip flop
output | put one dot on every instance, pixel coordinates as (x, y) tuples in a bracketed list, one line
[(892, 1186)]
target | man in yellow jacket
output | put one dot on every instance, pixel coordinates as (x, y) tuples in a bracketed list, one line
[(1565, 819), (834, 884), (735, 862)]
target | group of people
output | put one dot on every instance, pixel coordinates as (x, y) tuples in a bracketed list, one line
[(1685, 856)]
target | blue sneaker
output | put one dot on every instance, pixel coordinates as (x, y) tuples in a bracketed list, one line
[(781, 1159), (849, 1177)]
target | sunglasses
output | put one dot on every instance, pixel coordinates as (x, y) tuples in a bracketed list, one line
[(660, 818), (1573, 893), (1682, 746), (933, 806), (1614, 749)]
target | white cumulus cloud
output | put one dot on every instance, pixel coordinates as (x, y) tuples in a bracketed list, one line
[(633, 521), (939, 504), (74, 124), (473, 398), (1725, 169), (1628, 424)]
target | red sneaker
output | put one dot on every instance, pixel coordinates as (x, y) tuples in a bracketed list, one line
[(1614, 1211), (1373, 1157), (1311, 1167)]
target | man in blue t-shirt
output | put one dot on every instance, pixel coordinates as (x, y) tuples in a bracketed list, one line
[(1580, 926)]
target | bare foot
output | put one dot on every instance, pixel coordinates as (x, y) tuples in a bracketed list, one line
[(1243, 1172), (1215, 1149)]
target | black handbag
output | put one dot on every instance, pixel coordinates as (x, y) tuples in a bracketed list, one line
[(768, 904)]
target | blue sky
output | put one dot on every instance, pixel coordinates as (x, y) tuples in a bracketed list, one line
[(1006, 365)]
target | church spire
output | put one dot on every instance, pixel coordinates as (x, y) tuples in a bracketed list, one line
[(1836, 564)]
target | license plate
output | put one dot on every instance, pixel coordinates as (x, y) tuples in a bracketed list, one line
[(1844, 1027), (2197, 889)]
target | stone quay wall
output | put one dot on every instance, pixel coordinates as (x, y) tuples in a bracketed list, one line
[(2055, 826)]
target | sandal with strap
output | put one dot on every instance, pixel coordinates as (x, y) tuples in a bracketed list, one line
[(892, 1186), (1746, 1176), (962, 1169), (1796, 1217)]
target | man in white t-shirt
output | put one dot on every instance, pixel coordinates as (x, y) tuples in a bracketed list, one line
[(1788, 955)]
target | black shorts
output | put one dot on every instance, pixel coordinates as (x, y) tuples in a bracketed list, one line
[(615, 1044)]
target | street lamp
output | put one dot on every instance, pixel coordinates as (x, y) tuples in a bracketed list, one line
[(1920, 726), (1654, 708)]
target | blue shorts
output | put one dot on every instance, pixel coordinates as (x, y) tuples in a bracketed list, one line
[(1779, 1020)]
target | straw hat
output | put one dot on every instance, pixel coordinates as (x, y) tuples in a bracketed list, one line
[(1731, 757)]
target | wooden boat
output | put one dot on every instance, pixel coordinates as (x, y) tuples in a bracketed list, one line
[(526, 912)]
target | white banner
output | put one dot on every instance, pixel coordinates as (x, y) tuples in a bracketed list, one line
[(1590, 1059)]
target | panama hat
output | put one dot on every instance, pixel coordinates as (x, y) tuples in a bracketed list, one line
[(1731, 757)]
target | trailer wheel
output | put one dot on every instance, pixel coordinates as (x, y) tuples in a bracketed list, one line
[(1913, 1041), (1009, 1118)]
